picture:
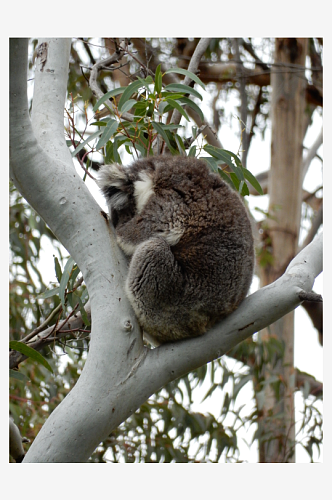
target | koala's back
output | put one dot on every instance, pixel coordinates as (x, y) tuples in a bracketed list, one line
[(190, 242)]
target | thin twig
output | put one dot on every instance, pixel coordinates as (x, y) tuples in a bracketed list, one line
[(42, 326)]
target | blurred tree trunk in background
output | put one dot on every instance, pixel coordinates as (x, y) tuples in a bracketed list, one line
[(285, 190)]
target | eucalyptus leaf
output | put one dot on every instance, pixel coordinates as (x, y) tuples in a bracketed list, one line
[(108, 95), (180, 144), (225, 156), (57, 267), (253, 181), (89, 139), (18, 375), (176, 105), (192, 105), (158, 79), (129, 91), (192, 151), (109, 131), (159, 127), (49, 293), (83, 312), (185, 89), (65, 278), (211, 163), (185, 72), (227, 178), (29, 352)]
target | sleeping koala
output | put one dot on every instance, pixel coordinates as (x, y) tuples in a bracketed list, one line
[(189, 240)]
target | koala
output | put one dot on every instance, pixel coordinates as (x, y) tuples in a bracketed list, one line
[(189, 240)]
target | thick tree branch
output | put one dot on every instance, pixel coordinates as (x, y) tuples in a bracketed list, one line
[(16, 449), (315, 387), (49, 182), (170, 361)]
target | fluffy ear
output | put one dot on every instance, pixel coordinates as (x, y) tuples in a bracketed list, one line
[(115, 186)]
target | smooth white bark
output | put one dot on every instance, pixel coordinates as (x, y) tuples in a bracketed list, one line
[(120, 373)]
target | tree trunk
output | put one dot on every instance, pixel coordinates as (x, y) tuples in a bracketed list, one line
[(285, 188)]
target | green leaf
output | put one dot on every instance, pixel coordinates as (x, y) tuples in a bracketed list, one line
[(76, 271), (109, 153), (186, 73), (83, 312), (158, 79), (108, 95), (253, 181), (129, 91), (176, 105), (49, 293), (128, 105), (225, 156), (140, 108), (243, 189), (150, 109), (180, 144), (103, 122), (192, 151), (210, 391), (116, 145), (227, 178), (57, 267), (233, 155), (89, 139), (159, 127), (211, 163), (85, 295), (172, 126), (65, 278), (238, 386), (109, 131), (146, 81), (18, 375), (172, 95), (31, 353), (240, 186), (185, 89), (192, 105)]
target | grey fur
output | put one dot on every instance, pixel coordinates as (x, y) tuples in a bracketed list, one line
[(189, 240)]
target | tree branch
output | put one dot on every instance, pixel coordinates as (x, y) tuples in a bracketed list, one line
[(243, 100), (170, 361), (193, 67), (263, 176), (94, 75), (42, 338), (312, 153), (54, 189)]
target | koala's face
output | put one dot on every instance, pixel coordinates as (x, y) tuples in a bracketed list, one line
[(156, 210)]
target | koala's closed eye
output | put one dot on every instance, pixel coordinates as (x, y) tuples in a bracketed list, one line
[(189, 240)]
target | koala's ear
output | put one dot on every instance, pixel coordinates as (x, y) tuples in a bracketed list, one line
[(115, 185)]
